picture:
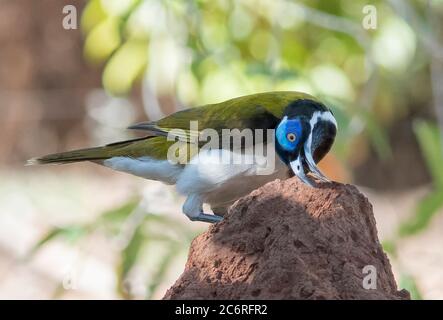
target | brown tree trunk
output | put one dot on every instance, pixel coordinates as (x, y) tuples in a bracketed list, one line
[(44, 79), (289, 241)]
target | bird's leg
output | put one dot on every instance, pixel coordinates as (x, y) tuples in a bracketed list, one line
[(193, 209)]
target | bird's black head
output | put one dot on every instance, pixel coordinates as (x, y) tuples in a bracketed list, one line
[(304, 136)]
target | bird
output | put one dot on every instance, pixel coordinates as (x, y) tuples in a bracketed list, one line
[(296, 129)]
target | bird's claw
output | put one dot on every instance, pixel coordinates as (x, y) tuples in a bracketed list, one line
[(209, 218)]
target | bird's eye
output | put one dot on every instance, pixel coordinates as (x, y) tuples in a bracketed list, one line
[(291, 137)]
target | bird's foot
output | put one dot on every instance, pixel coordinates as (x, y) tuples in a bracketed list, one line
[(209, 218)]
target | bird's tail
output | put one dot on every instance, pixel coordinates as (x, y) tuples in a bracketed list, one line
[(96, 154), (90, 154)]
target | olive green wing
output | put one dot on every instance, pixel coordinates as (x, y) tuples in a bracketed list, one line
[(258, 111), (150, 146)]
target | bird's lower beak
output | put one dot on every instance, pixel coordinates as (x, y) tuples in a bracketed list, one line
[(303, 160), (313, 166), (298, 169)]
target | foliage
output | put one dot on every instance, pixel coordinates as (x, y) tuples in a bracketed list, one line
[(206, 51), (430, 141), (429, 138), (133, 231)]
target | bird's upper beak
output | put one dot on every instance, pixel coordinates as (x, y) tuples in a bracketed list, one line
[(304, 163)]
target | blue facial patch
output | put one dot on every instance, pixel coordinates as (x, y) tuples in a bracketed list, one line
[(288, 128)]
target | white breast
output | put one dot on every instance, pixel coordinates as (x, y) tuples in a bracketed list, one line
[(220, 183), (208, 175)]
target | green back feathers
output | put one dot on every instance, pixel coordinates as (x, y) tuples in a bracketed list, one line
[(234, 113), (257, 111)]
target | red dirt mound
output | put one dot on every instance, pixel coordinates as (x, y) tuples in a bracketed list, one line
[(290, 241)]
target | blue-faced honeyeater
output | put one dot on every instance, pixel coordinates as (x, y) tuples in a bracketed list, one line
[(303, 131)]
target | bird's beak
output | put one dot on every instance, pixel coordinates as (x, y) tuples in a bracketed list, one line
[(305, 159), (312, 165), (298, 169)]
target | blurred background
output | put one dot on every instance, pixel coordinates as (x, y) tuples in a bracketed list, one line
[(76, 73)]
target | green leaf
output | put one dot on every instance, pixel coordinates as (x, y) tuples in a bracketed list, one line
[(125, 66), (408, 282), (103, 40), (71, 234), (130, 253), (128, 258), (92, 14), (162, 269), (111, 220), (429, 140), (120, 213), (426, 209)]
